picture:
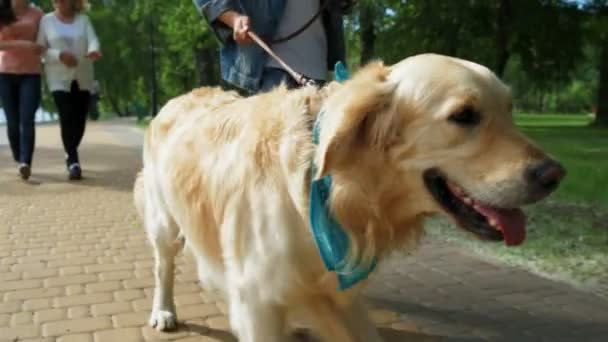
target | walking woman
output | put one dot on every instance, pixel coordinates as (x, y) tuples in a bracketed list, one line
[(20, 77), (71, 48)]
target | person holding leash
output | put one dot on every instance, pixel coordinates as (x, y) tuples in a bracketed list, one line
[(72, 47), (307, 35), (20, 88)]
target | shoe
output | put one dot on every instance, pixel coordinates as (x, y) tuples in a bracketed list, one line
[(74, 172), (25, 171)]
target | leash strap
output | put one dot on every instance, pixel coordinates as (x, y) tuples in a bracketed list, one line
[(301, 79)]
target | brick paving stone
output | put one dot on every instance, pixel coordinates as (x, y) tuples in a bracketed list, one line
[(110, 308), (81, 325), (43, 316), (197, 311), (70, 280), (115, 275), (188, 299), (128, 295), (151, 334), (122, 335), (31, 294), (46, 273), (21, 318), (108, 286), (131, 319), (76, 338), (75, 265), (4, 320), (83, 299), (79, 312), (36, 304), (218, 322), (19, 332), (10, 307), (37, 339)]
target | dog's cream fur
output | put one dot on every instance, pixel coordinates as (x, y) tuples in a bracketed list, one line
[(231, 177)]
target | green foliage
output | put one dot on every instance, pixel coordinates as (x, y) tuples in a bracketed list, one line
[(582, 149), (547, 50), (126, 30)]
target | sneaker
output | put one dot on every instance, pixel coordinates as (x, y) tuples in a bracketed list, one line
[(74, 172), (25, 171)]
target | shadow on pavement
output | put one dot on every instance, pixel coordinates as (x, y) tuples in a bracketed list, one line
[(389, 335), (110, 167)]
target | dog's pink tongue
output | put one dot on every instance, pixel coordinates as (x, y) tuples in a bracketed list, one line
[(512, 223)]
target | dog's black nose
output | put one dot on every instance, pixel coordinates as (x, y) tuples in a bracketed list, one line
[(546, 175)]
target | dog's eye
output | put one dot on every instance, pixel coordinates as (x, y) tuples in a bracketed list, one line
[(466, 117)]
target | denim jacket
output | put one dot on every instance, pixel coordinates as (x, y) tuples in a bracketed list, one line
[(242, 65)]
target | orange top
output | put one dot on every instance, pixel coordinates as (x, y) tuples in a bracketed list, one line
[(18, 61)]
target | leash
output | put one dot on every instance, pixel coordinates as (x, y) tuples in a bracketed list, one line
[(301, 79)]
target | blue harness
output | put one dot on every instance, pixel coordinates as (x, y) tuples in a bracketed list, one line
[(332, 241)]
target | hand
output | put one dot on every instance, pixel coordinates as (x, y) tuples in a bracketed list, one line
[(68, 59), (240, 29), (240, 25), (94, 55)]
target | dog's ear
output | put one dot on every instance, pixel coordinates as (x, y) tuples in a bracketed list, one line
[(356, 115)]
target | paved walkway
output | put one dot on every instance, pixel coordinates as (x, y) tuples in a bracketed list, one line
[(75, 266)]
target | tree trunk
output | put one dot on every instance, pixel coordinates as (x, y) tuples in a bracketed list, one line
[(206, 66), (503, 18), (601, 115), (368, 31), (115, 107), (152, 32)]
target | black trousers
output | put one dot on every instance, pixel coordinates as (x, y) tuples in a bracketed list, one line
[(73, 107)]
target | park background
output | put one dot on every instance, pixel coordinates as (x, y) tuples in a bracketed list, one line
[(553, 53)]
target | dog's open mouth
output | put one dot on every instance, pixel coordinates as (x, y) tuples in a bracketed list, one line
[(483, 220)]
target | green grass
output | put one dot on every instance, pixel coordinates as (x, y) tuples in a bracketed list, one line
[(568, 233), (582, 149)]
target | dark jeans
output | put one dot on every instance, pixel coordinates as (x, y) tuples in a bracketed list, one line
[(20, 96), (73, 107), (272, 77)]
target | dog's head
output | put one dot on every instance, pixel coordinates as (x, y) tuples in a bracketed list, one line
[(430, 134)]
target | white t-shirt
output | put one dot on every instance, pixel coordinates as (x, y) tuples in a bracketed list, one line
[(66, 37), (307, 52), (78, 38)]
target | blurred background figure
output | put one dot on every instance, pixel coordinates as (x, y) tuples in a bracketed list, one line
[(20, 89), (72, 47)]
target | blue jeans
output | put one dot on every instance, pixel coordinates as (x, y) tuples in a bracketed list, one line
[(20, 96)]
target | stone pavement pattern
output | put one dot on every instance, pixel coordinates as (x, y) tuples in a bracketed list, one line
[(75, 266)]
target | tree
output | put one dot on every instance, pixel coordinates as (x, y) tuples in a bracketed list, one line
[(503, 16), (598, 36), (153, 50), (601, 115), (367, 21)]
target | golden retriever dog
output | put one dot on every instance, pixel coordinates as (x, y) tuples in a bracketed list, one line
[(231, 176)]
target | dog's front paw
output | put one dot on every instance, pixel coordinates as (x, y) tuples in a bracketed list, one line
[(163, 320)]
